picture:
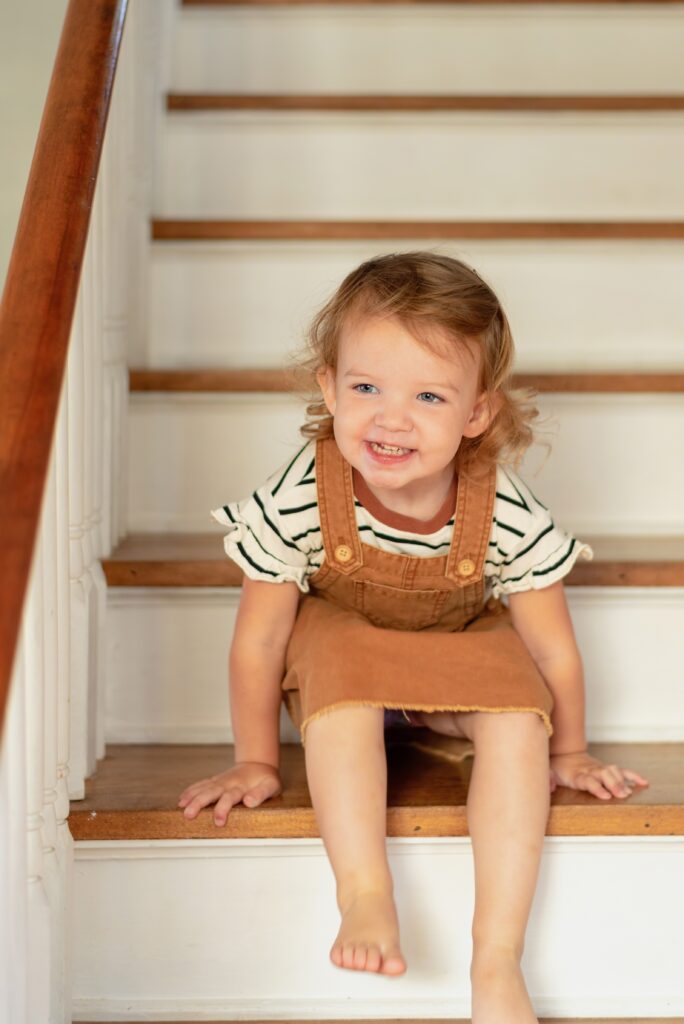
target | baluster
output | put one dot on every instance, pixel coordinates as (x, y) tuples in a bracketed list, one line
[(14, 919), (39, 952), (64, 840), (82, 718), (94, 342)]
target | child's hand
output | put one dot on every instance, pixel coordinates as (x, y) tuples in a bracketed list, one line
[(581, 771), (249, 781)]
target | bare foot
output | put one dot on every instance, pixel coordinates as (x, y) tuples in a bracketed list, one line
[(368, 939), (499, 992)]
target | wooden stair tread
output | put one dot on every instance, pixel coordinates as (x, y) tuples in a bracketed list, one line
[(443, 1020), (199, 560), (135, 791), (164, 229), (275, 379), (427, 102), (414, 3)]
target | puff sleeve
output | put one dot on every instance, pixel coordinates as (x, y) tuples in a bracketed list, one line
[(527, 550)]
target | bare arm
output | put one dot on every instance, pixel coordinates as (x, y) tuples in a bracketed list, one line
[(542, 620), (263, 626)]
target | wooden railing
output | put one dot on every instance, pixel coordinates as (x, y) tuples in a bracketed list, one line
[(40, 294)]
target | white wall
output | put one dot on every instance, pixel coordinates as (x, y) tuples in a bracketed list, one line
[(29, 36)]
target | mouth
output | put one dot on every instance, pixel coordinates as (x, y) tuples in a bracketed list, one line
[(388, 452)]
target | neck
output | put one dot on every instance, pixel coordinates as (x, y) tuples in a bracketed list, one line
[(423, 514)]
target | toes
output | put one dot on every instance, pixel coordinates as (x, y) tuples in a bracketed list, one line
[(362, 957), (359, 958), (348, 955), (373, 959), (336, 955), (393, 962)]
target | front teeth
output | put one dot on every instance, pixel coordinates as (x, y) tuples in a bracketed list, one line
[(382, 448)]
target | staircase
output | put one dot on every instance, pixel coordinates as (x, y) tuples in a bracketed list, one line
[(544, 143)]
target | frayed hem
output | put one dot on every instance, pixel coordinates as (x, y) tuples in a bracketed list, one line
[(422, 707)]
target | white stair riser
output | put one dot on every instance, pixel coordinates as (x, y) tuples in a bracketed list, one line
[(430, 50), (242, 929), (168, 656), (615, 465), (407, 166), (572, 305)]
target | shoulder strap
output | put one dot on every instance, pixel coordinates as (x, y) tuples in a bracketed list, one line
[(472, 527), (336, 507)]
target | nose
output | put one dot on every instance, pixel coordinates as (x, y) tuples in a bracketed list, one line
[(392, 414)]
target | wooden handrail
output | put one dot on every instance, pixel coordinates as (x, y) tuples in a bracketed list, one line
[(38, 304)]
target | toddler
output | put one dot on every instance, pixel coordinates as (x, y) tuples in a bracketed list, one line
[(375, 561)]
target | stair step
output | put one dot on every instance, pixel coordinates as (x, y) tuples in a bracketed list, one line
[(484, 166), (171, 487), (427, 787), (269, 380), (619, 299), (448, 49), (389, 102), (198, 560), (427, 1020), (164, 229), (416, 3)]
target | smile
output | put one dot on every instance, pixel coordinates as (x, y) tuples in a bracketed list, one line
[(388, 452), (388, 448)]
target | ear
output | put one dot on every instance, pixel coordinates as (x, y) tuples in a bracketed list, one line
[(326, 382), (483, 413)]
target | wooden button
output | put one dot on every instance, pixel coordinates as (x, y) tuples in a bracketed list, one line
[(343, 553), (466, 567)]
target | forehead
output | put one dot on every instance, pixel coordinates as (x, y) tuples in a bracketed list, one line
[(388, 346)]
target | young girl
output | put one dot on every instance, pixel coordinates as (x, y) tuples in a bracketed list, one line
[(374, 565)]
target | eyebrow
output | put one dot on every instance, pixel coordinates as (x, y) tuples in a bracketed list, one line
[(433, 384)]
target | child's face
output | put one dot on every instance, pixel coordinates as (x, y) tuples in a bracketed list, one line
[(390, 390)]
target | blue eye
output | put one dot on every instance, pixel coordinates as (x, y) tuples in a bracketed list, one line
[(431, 395), (357, 386)]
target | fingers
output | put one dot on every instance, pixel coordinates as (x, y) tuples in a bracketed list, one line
[(592, 785), (225, 796), (635, 777), (204, 795), (191, 791), (612, 779), (231, 797), (257, 794), (609, 781)]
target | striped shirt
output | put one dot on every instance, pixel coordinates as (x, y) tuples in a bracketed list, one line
[(275, 534)]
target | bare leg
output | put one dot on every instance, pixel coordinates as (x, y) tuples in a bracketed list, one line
[(508, 806), (346, 769)]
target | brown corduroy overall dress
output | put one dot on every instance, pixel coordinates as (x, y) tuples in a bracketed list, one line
[(398, 631)]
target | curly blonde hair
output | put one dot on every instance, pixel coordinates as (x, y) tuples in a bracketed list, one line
[(426, 290)]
